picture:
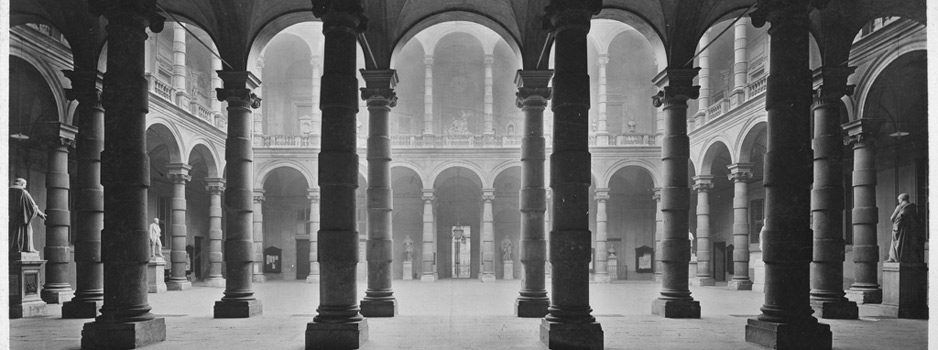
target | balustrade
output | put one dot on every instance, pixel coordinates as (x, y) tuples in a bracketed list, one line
[(417, 141)]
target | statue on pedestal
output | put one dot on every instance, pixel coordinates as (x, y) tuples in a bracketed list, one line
[(907, 241), (23, 210), (156, 244), (408, 249), (506, 249)]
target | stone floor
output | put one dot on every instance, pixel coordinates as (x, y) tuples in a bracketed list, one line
[(452, 314)]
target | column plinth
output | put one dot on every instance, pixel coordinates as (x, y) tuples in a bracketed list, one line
[(59, 138), (238, 300), (532, 97), (125, 320), (379, 300), (675, 300)]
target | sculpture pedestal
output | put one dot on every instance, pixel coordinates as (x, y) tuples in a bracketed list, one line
[(155, 271), (408, 270), (612, 269), (24, 285), (905, 290), (782, 336), (509, 267), (336, 335)]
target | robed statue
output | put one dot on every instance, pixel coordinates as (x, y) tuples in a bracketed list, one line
[(408, 249), (156, 243), (908, 244), (506, 250), (23, 210)]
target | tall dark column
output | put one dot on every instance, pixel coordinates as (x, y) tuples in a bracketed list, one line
[(89, 196), (59, 138), (740, 174), (569, 323), (179, 174), (338, 323), (827, 199), (215, 188), (675, 300), (532, 98), (786, 321), (125, 321), (861, 134), (239, 301), (379, 298)]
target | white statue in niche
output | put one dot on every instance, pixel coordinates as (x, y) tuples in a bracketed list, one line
[(506, 249), (408, 249)]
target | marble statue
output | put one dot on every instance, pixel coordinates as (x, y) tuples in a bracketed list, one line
[(156, 244), (408, 249), (907, 241), (506, 250), (23, 210)]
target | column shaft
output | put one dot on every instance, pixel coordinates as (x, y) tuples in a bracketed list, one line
[(488, 236), (704, 82), (379, 298), (89, 196), (601, 274), (703, 184), (865, 214), (488, 127), (215, 187), (179, 65), (740, 174), (428, 95), (532, 97), (258, 236), (429, 238), (659, 234), (314, 199), (179, 174), (602, 61), (740, 61), (239, 301), (56, 289)]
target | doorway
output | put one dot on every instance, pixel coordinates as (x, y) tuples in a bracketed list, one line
[(719, 261), (302, 258)]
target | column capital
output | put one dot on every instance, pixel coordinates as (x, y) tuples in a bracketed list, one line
[(340, 13), (740, 172), (834, 85), (488, 59), (56, 134), (123, 11), (258, 195), (238, 87), (427, 195), (428, 60), (564, 13), (86, 86), (656, 194), (379, 84), (179, 172), (776, 12), (601, 194), (862, 132), (703, 183), (313, 194), (215, 185), (488, 194), (680, 87), (602, 59)]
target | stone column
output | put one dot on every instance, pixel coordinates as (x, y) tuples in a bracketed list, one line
[(258, 236), (125, 320), (569, 322), (429, 238), (659, 232), (740, 174), (488, 236), (258, 116), (179, 174), (313, 195), (675, 300), (317, 114), (59, 138), (786, 321), (827, 204), (239, 301), (602, 130), (89, 196), (179, 66), (338, 323), (533, 94), (428, 95), (488, 128), (215, 187), (861, 134), (216, 84), (740, 62), (379, 298), (601, 275), (702, 185), (704, 82)]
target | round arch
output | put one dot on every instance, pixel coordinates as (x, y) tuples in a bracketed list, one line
[(49, 74), (713, 149), (747, 138), (867, 80), (640, 24), (421, 175), (645, 164), (208, 155), (473, 169), (434, 18), (489, 180), (268, 168), (166, 132)]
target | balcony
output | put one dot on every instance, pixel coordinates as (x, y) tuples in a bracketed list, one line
[(430, 141), (165, 91)]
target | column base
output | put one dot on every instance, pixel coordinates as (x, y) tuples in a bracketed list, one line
[(53, 296), (238, 309), (487, 277), (259, 278), (379, 308), (572, 335), (312, 279), (783, 336), (178, 285), (428, 278), (336, 335), (34, 308), (599, 278), (835, 310), (865, 296), (216, 282), (127, 335), (703, 282), (676, 308), (739, 285), (531, 307), (81, 309)]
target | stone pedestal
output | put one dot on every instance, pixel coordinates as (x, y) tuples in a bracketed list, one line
[(837, 310), (81, 309), (428, 278), (181, 285), (128, 335), (24, 285), (905, 290), (613, 269), (758, 271), (692, 269), (531, 307), (336, 335), (576, 336), (155, 275), (408, 270), (676, 308), (237, 308), (781, 336), (739, 285), (865, 295), (509, 270)]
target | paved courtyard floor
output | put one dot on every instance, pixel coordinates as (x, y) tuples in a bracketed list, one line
[(451, 314)]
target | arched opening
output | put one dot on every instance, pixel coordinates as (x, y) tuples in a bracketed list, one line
[(164, 152), (458, 210), (198, 202), (285, 214), (630, 223), (507, 224), (407, 222), (720, 200)]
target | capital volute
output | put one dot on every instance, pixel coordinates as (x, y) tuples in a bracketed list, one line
[(656, 194), (379, 96), (601, 195), (532, 96), (313, 194), (57, 135), (703, 183), (215, 185), (258, 195), (680, 87), (740, 172), (602, 60), (179, 172), (488, 194), (862, 132), (339, 14)]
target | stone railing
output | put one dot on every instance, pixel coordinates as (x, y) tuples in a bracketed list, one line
[(286, 141), (757, 86), (715, 110), (450, 141), (162, 89), (203, 113)]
